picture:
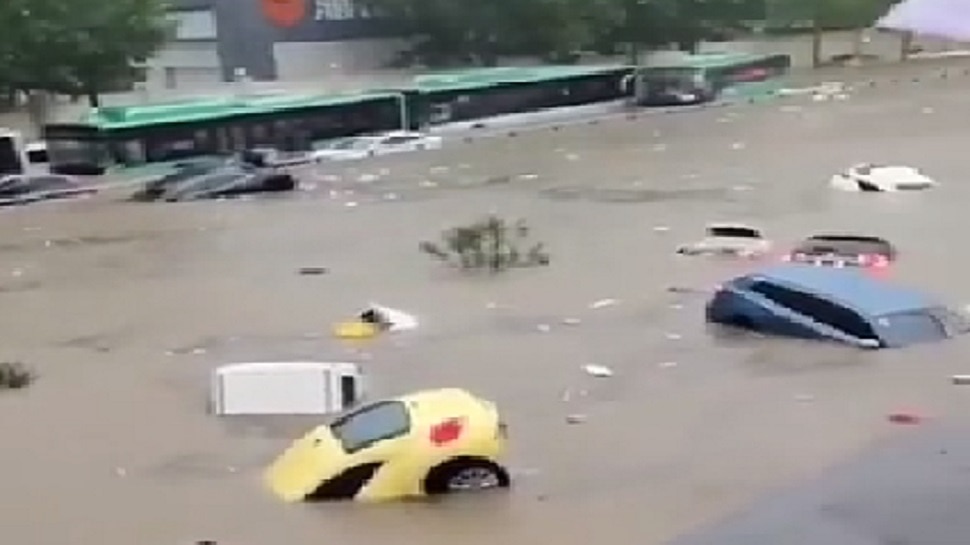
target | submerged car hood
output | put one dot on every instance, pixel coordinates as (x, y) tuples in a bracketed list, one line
[(308, 463)]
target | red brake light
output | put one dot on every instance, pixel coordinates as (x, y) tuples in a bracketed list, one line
[(876, 260)]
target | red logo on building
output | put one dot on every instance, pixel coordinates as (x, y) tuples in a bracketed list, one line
[(285, 13)]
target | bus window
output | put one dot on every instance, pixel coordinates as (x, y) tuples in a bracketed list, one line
[(11, 161), (76, 156), (36, 153)]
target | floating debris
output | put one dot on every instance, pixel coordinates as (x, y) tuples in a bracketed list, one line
[(571, 321), (313, 271), (960, 380), (905, 418), (598, 371), (576, 418), (544, 328), (667, 364), (603, 303)]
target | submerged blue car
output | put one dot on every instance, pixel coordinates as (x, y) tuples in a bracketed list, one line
[(832, 304)]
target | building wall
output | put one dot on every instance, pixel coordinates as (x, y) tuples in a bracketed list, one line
[(302, 61), (191, 59), (296, 40)]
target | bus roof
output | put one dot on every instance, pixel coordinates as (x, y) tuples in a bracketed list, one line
[(712, 60), (212, 109), (480, 78), (126, 117)]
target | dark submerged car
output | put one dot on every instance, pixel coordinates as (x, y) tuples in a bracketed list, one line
[(844, 251), (27, 188), (215, 179)]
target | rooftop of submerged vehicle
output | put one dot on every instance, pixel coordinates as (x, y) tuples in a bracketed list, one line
[(848, 287)]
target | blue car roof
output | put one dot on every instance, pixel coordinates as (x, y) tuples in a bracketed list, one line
[(850, 287)]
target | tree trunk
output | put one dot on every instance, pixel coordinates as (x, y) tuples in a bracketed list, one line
[(816, 44), (633, 53), (858, 43), (94, 98), (38, 110), (906, 43)]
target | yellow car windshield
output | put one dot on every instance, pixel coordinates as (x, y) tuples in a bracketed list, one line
[(378, 422)]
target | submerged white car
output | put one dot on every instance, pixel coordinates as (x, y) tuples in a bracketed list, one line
[(362, 147), (881, 178), (729, 239)]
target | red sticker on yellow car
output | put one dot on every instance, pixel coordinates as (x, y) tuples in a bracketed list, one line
[(446, 431)]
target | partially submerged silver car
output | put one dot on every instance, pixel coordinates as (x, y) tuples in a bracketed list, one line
[(729, 239)]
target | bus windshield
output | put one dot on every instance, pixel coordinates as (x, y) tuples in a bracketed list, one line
[(681, 78), (75, 151)]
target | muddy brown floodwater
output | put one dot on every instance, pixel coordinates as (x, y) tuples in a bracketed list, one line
[(125, 308)]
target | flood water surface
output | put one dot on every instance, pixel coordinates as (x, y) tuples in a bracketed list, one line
[(125, 308)]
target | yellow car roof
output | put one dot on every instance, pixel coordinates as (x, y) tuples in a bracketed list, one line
[(445, 402)]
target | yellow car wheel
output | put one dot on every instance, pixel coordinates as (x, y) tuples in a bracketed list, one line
[(465, 475)]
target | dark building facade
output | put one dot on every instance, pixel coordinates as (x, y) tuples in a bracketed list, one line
[(219, 40)]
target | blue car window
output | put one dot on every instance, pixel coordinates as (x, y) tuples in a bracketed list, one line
[(366, 426), (912, 327), (816, 308)]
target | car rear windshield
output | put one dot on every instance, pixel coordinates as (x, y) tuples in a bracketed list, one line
[(364, 427), (733, 231), (906, 328), (816, 308)]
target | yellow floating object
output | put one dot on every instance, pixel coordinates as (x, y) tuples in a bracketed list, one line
[(355, 330)]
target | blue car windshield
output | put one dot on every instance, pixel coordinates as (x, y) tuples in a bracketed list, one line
[(906, 328), (364, 427)]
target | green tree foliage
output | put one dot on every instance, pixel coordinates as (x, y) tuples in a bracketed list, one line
[(466, 31), (15, 376), (471, 31), (645, 24), (77, 47), (491, 244)]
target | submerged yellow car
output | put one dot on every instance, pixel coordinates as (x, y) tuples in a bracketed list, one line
[(426, 443)]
